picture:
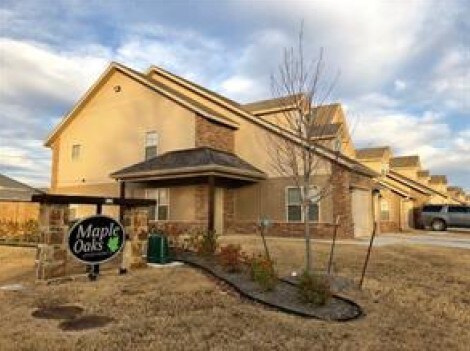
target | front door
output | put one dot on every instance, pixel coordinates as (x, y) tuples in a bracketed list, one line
[(219, 211)]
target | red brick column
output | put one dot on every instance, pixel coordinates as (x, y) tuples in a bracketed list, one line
[(342, 200), (51, 255)]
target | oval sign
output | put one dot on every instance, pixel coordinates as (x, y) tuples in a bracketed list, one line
[(96, 239)]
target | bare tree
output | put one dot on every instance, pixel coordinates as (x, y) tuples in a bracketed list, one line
[(301, 88)]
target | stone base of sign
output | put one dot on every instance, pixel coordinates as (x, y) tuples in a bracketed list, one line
[(53, 259)]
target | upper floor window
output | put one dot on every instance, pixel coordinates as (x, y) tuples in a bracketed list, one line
[(294, 206), (159, 212), (76, 151), (151, 145)]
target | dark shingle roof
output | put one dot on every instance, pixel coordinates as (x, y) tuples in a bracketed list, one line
[(12, 190), (190, 158), (423, 173), (372, 152), (269, 104), (438, 179), (326, 130), (405, 161)]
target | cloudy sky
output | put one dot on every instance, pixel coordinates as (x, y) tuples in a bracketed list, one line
[(404, 65)]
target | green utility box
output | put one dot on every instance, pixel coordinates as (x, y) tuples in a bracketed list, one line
[(157, 249)]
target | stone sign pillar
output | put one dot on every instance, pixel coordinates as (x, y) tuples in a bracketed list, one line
[(51, 253), (136, 226)]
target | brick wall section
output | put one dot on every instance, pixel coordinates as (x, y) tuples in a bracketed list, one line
[(214, 135), (342, 200), (172, 228), (361, 181), (389, 227)]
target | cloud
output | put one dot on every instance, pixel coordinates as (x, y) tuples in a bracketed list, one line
[(404, 68)]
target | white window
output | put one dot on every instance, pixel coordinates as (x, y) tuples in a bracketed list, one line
[(159, 212), (76, 151), (294, 211), (151, 145), (384, 210)]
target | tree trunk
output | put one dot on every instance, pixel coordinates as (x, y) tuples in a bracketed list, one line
[(308, 249)]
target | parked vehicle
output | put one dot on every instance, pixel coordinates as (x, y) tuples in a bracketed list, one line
[(440, 217)]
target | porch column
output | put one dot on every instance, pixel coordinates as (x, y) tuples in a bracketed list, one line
[(122, 196), (211, 204)]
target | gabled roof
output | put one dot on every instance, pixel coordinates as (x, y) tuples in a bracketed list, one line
[(157, 87), (405, 161), (438, 179), (273, 128), (161, 71), (13, 190), (423, 174), (190, 162), (324, 114), (455, 188), (410, 183), (326, 131), (372, 152), (280, 103)]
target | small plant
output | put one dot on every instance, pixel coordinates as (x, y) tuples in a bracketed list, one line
[(262, 271), (314, 288), (204, 243), (231, 258)]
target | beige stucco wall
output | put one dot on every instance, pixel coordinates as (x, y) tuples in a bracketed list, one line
[(111, 130), (268, 199)]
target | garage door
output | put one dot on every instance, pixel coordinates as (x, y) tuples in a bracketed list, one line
[(362, 212)]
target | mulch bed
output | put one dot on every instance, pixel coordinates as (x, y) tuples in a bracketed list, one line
[(85, 322), (57, 312), (284, 297)]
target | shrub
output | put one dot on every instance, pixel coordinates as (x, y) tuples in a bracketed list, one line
[(204, 243), (262, 271), (314, 288), (231, 258)]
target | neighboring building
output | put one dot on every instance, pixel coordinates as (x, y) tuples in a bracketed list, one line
[(14, 201), (405, 187), (202, 156)]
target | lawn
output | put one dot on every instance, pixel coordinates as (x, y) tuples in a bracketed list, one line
[(415, 297)]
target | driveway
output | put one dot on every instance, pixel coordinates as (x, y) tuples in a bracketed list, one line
[(454, 239)]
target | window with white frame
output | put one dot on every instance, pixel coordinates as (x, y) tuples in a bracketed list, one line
[(159, 212), (384, 210), (151, 145), (294, 206), (76, 151)]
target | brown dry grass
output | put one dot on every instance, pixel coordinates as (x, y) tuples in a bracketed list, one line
[(415, 298)]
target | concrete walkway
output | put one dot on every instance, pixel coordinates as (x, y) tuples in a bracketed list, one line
[(450, 239)]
